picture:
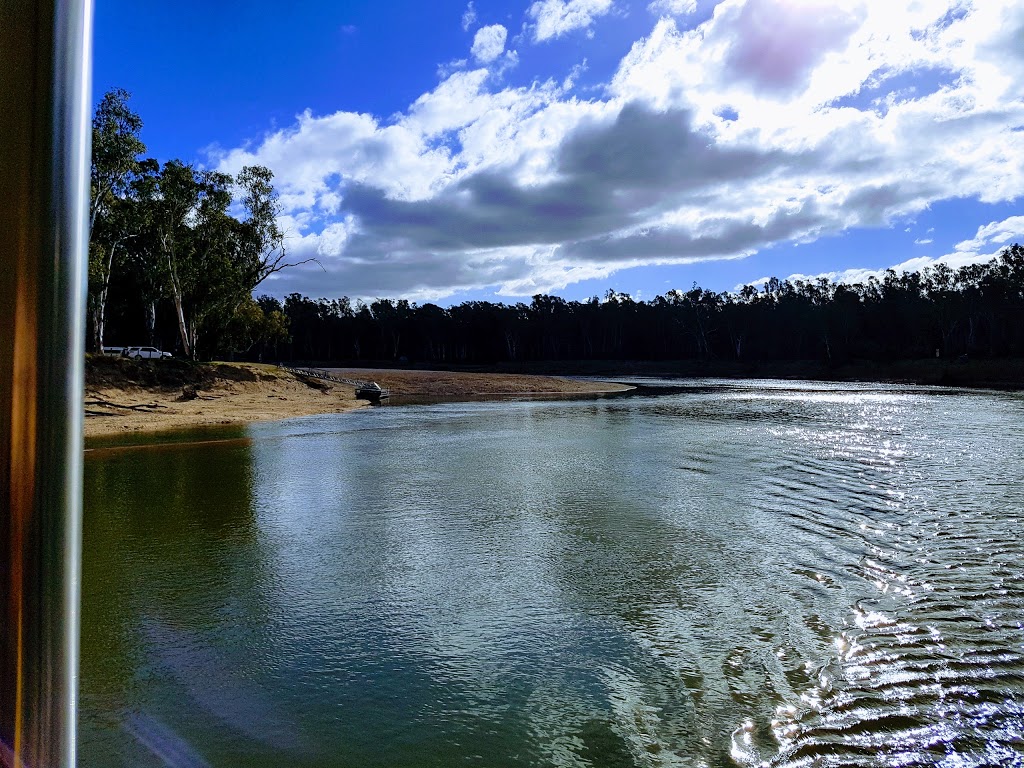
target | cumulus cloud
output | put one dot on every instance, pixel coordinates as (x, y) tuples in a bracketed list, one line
[(554, 18), (778, 43), (707, 143), (672, 7), (489, 43)]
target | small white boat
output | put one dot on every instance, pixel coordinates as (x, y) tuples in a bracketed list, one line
[(371, 391)]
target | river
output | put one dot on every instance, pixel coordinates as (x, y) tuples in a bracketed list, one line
[(712, 574)]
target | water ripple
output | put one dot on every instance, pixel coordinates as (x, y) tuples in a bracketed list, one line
[(753, 574)]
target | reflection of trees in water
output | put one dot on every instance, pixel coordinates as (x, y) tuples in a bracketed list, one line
[(172, 588), (648, 581)]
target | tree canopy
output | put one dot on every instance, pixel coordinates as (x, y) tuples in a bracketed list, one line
[(167, 236)]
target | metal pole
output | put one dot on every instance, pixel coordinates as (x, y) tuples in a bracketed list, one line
[(45, 72)]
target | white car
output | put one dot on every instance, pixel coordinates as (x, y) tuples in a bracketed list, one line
[(145, 353)]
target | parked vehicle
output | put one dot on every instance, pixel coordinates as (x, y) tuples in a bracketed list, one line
[(145, 353), (115, 351)]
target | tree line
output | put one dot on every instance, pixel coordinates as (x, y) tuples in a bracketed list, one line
[(975, 310), (176, 254)]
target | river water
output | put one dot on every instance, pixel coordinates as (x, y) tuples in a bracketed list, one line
[(715, 574)]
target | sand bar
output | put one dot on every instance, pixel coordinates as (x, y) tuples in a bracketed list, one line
[(125, 397), (455, 384)]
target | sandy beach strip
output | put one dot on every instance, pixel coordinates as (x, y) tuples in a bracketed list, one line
[(239, 393), (449, 384)]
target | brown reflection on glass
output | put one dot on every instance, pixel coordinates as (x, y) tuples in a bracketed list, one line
[(44, 146)]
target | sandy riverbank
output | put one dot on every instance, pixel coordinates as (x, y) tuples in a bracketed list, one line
[(454, 384), (124, 397)]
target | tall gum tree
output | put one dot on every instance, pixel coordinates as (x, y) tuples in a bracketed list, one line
[(211, 260), (116, 148), (178, 205)]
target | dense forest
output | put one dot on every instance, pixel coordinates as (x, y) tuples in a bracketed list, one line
[(976, 310), (172, 265)]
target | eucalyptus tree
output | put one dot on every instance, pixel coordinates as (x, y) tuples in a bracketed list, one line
[(254, 326), (263, 251), (211, 260), (116, 147), (107, 239), (143, 255), (115, 166), (176, 194)]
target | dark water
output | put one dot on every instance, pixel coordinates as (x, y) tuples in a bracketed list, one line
[(765, 573)]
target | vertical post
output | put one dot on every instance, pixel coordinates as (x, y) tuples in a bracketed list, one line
[(45, 73)]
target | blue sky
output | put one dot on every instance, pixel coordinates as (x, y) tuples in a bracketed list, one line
[(492, 150)]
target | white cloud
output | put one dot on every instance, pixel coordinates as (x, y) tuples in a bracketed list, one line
[(331, 241), (574, 75), (468, 17), (924, 241), (861, 275), (976, 251), (489, 43), (779, 45), (446, 70), (554, 18), (994, 233), (509, 61), (672, 7), (692, 152)]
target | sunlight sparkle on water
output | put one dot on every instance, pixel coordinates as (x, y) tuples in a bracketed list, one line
[(788, 574)]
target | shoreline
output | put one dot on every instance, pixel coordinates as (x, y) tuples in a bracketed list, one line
[(128, 398), (1005, 374)]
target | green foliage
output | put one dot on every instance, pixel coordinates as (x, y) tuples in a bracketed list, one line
[(251, 326), (116, 147), (170, 234)]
